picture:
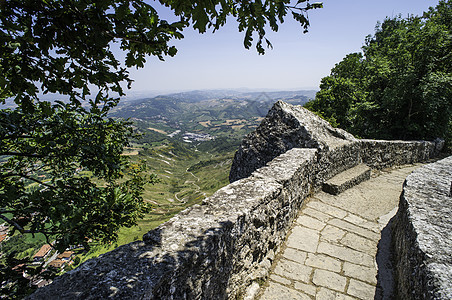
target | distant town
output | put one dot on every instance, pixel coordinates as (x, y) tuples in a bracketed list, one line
[(46, 256), (189, 137)]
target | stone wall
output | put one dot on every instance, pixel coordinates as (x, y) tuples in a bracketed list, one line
[(422, 234), (209, 251), (217, 249), (381, 154), (285, 127)]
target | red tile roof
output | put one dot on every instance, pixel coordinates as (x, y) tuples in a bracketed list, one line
[(43, 251), (2, 237), (57, 263), (65, 254)]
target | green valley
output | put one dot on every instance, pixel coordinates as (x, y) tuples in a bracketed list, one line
[(187, 140)]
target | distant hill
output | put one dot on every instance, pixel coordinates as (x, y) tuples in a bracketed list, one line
[(200, 95), (209, 105)]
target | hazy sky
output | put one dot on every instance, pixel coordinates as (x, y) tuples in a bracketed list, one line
[(297, 61)]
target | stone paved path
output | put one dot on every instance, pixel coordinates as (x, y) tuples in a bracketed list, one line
[(331, 249)]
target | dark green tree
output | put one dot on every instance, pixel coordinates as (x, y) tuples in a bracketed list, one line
[(400, 88), (64, 47), (341, 92)]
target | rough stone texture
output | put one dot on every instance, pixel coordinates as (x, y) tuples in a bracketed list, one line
[(381, 154), (219, 249), (209, 251), (335, 257), (347, 179), (277, 290), (422, 234), (285, 127)]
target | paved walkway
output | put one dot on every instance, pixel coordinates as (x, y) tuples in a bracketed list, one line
[(331, 250)]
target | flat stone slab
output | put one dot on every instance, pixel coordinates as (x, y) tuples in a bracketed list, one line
[(347, 179), (373, 198), (331, 250)]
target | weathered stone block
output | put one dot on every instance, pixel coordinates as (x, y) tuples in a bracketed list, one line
[(361, 290), (285, 127), (381, 154), (329, 280), (293, 270), (347, 179), (422, 234), (276, 291)]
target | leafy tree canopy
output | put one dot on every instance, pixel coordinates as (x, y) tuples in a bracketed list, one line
[(400, 87), (61, 163)]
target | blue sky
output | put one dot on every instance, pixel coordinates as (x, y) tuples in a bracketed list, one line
[(297, 61)]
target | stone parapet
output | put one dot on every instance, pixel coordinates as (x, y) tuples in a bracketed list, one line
[(422, 234), (335, 161), (379, 154), (219, 248), (287, 126), (209, 251)]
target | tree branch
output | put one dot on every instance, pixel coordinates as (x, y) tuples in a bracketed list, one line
[(21, 154), (22, 230), (15, 136), (133, 40), (30, 178), (12, 223)]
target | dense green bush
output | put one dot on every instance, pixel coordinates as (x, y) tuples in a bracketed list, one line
[(400, 87)]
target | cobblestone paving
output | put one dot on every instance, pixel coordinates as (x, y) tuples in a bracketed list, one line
[(331, 249)]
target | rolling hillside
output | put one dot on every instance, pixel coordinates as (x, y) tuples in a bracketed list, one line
[(188, 140)]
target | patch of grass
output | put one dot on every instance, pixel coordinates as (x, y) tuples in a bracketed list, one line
[(128, 235)]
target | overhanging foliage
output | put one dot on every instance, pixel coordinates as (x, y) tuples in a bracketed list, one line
[(62, 173)]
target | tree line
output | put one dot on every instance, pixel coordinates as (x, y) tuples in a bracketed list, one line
[(400, 85)]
